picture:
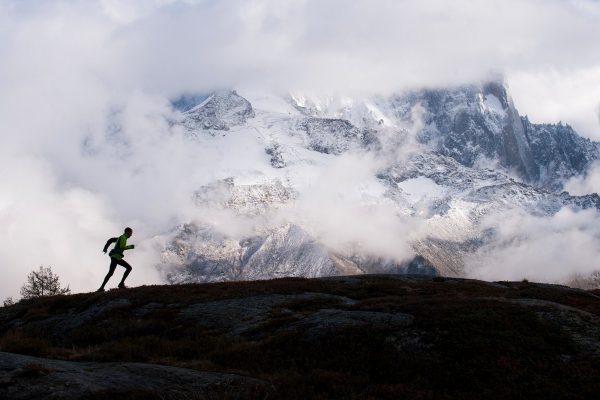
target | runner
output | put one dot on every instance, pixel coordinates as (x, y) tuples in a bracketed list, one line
[(117, 255)]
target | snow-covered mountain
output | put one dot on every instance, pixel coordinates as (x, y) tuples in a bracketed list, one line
[(436, 164), (220, 111), (476, 125)]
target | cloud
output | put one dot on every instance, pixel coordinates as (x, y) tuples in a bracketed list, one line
[(585, 184), (571, 95), (374, 46), (344, 208), (542, 249), (362, 46)]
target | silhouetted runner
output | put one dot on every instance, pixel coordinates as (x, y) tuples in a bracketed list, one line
[(116, 256)]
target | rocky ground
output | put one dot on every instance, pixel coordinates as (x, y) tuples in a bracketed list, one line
[(371, 336), (26, 377)]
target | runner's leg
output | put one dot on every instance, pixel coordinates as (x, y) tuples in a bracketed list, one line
[(128, 268), (111, 270)]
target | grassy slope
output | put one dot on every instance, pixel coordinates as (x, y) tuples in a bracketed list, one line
[(469, 339)]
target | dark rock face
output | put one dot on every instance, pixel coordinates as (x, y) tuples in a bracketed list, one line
[(582, 202), (335, 136), (277, 159), (377, 265), (477, 122), (187, 101), (220, 111), (420, 266), (558, 152)]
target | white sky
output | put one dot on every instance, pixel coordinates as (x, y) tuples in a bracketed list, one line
[(67, 65), (548, 49)]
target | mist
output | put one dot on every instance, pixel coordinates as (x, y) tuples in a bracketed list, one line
[(342, 208), (542, 249), (86, 143)]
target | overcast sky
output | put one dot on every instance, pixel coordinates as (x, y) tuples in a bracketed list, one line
[(548, 49), (67, 65)]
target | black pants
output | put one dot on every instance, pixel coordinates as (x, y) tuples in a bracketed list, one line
[(111, 270)]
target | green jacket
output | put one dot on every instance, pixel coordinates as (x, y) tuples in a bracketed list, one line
[(120, 247)]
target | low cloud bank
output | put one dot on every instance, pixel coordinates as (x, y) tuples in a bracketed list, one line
[(344, 208), (588, 183), (545, 249)]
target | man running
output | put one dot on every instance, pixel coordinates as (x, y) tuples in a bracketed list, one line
[(116, 256)]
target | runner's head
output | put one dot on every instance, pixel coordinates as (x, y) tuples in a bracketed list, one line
[(128, 232)]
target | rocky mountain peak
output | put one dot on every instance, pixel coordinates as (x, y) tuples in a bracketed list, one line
[(478, 123), (220, 111)]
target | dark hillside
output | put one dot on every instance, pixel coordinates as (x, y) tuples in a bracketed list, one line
[(356, 337)]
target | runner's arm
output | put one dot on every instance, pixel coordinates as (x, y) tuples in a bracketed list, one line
[(108, 243)]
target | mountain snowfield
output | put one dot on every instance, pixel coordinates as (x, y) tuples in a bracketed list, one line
[(421, 182)]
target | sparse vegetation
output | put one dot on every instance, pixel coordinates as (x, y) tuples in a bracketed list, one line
[(9, 301), (42, 282)]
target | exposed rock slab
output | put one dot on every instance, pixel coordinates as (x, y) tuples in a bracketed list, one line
[(24, 377)]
